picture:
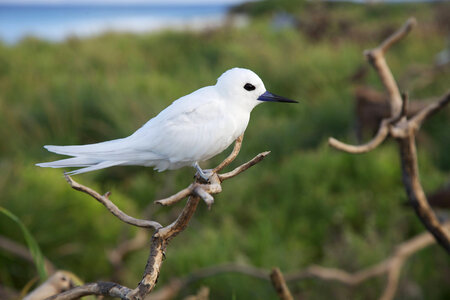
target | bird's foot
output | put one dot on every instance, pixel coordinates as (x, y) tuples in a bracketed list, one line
[(204, 175)]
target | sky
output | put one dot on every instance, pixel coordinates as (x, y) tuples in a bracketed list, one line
[(119, 1)]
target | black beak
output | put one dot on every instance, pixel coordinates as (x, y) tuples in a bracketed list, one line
[(268, 96)]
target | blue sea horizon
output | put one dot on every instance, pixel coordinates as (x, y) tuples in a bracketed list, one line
[(56, 22)]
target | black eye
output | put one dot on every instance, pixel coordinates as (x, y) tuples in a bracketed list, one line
[(249, 87)]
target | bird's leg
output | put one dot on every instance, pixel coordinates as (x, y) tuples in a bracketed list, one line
[(204, 174)]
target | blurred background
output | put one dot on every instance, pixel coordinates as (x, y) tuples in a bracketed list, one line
[(88, 71)]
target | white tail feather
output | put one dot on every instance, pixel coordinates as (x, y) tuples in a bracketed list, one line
[(88, 150), (102, 165), (70, 162), (89, 164)]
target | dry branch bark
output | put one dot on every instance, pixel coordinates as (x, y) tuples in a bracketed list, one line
[(232, 156), (280, 285), (391, 266), (403, 130), (378, 61), (416, 194), (99, 288), (160, 239), (111, 206)]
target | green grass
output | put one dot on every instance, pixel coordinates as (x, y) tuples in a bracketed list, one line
[(305, 204), (32, 245)]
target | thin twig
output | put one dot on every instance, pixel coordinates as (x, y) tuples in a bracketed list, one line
[(398, 35), (232, 156), (162, 235), (111, 206), (176, 197), (205, 191), (280, 285), (378, 61), (99, 288), (389, 266), (403, 131), (405, 107), (381, 135), (417, 120), (244, 167), (415, 192)]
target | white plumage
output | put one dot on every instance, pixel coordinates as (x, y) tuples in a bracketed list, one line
[(193, 128)]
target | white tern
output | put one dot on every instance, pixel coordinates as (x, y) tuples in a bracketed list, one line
[(192, 129)]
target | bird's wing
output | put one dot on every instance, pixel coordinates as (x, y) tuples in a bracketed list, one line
[(191, 128)]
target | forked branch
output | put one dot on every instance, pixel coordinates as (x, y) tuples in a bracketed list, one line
[(111, 206), (417, 120), (381, 135), (162, 235), (404, 131), (390, 267), (378, 61), (232, 156)]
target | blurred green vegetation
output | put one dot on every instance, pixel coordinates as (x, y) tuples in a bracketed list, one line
[(305, 204)]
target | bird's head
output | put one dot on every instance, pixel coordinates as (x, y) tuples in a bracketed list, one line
[(62, 281), (246, 88)]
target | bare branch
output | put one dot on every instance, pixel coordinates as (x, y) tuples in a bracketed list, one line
[(414, 190), (232, 156), (428, 111), (111, 206), (180, 223), (157, 249), (167, 292), (378, 61), (209, 200), (177, 197), (160, 239), (204, 191), (405, 104), (152, 268), (391, 266), (99, 288), (393, 278), (280, 285), (381, 135), (404, 131), (398, 35), (163, 235), (339, 275), (244, 167)]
